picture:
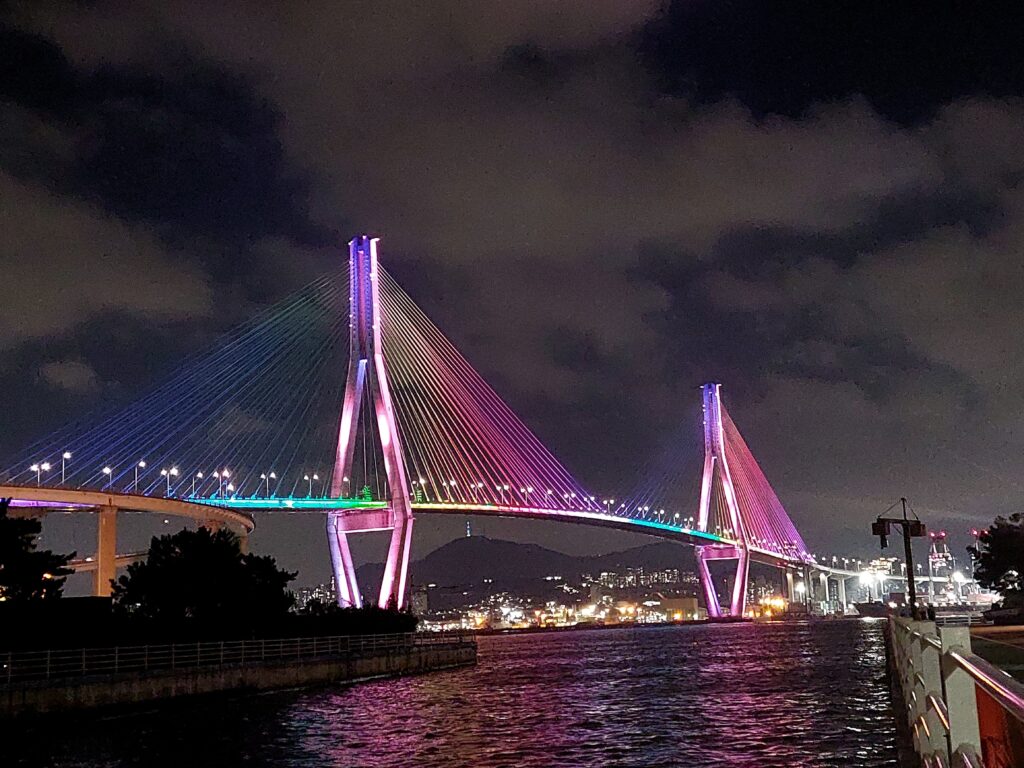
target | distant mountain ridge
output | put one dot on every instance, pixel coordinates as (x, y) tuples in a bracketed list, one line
[(470, 560)]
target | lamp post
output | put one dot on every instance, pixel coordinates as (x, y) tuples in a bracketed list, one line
[(140, 465), (266, 481), (911, 528), (63, 464), (222, 476), (110, 476), (196, 476), (167, 474), (35, 468), (310, 480)]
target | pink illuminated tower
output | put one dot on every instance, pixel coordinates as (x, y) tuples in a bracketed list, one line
[(717, 483), (367, 373)]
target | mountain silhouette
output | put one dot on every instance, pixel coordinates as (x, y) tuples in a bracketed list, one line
[(472, 559)]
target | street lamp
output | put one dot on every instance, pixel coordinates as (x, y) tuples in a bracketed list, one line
[(196, 476), (221, 476), (310, 480), (167, 474), (35, 468), (63, 463), (266, 481), (140, 465), (110, 475)]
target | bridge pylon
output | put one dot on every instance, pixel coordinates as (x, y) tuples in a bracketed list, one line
[(368, 374), (717, 487)]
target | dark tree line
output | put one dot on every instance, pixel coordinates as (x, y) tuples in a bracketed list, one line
[(27, 573), (193, 584), (999, 559)]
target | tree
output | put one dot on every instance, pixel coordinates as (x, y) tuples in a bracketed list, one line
[(999, 559), (202, 578), (26, 573)]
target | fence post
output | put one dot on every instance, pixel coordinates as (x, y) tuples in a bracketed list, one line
[(222, 653), (172, 656), (117, 658), (929, 678), (263, 650), (958, 691), (48, 664)]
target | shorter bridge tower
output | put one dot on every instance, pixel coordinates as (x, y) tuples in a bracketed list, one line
[(367, 371), (717, 491)]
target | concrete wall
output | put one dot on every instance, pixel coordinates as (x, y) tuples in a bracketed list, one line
[(86, 693)]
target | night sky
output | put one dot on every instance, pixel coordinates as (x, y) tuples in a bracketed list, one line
[(603, 203)]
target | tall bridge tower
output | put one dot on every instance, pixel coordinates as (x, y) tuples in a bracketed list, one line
[(368, 374), (718, 496)]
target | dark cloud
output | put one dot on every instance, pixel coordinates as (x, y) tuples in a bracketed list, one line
[(782, 58)]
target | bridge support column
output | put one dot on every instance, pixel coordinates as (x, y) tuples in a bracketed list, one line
[(841, 594), (823, 581), (790, 587), (106, 551), (346, 587), (368, 374), (738, 601)]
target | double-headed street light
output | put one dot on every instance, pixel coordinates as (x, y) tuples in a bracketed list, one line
[(196, 476), (167, 474), (309, 479), (140, 465), (222, 476), (266, 481)]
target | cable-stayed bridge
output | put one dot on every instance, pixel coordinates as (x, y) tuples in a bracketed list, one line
[(345, 399)]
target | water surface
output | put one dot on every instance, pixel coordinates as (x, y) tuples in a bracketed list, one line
[(759, 695)]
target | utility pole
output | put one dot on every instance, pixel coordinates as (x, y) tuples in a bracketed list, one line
[(882, 527)]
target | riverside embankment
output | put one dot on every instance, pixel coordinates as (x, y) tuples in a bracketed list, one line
[(43, 682)]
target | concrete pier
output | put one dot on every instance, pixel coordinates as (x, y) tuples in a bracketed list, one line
[(71, 693)]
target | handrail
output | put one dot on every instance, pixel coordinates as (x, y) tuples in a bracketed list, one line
[(997, 683), (938, 676), (29, 667)]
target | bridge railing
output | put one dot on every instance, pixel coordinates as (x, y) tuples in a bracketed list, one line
[(959, 708), (27, 667)]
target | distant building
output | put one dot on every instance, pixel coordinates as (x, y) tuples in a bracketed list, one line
[(325, 593), (420, 602)]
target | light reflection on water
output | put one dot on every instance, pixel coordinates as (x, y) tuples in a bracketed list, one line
[(716, 695)]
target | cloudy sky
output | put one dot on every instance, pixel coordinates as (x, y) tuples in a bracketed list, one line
[(604, 204)]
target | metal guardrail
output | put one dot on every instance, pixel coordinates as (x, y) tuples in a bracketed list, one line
[(940, 677), (27, 667)]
